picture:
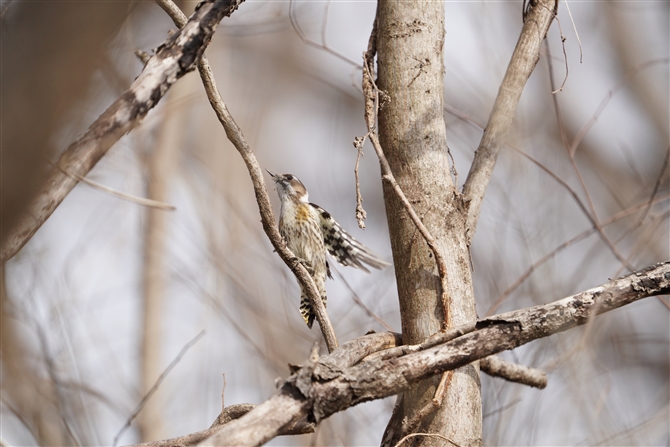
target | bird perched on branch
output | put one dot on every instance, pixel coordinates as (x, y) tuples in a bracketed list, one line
[(309, 231)]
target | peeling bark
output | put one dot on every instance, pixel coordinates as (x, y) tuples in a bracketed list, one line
[(318, 390)]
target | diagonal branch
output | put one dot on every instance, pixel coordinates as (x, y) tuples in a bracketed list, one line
[(523, 62), (235, 135), (229, 414), (320, 389), (175, 57), (157, 384), (497, 367)]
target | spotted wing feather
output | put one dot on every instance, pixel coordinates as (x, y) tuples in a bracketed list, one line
[(343, 247)]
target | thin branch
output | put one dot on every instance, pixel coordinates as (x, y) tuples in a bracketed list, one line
[(523, 62), (319, 389), (154, 388), (236, 137), (497, 367), (434, 340), (360, 303), (441, 390), (493, 365), (361, 215), (574, 26), (571, 149), (565, 55), (122, 195), (430, 241), (659, 180), (428, 435), (411, 424), (223, 398), (322, 46), (229, 414), (601, 107), (564, 245), (596, 225), (176, 57)]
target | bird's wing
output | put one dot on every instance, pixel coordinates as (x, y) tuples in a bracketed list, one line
[(343, 247)]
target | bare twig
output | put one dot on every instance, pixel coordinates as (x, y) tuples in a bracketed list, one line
[(428, 435), (122, 195), (565, 54), (229, 414), (442, 387), (321, 389), (453, 170), (564, 184), (571, 149), (361, 215), (235, 135), (657, 185), (430, 241), (574, 26), (525, 57), (497, 367), (568, 243), (434, 340), (322, 46), (601, 107), (411, 424), (176, 57), (223, 395), (153, 389), (360, 303)]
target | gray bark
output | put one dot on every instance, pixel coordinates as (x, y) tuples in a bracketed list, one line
[(325, 386), (410, 37)]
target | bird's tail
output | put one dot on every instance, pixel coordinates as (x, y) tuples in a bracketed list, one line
[(306, 308)]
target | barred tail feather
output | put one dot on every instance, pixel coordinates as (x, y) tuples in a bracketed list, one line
[(306, 309)]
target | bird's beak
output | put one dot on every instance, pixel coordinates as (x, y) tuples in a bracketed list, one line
[(274, 176)]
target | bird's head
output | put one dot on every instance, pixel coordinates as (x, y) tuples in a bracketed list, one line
[(290, 187)]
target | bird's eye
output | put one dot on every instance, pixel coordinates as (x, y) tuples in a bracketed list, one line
[(289, 177)]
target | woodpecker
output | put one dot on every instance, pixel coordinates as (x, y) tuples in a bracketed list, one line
[(310, 231)]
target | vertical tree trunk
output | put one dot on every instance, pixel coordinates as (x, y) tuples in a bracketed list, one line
[(410, 37), (162, 165)]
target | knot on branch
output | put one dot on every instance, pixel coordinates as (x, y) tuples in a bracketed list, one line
[(304, 377)]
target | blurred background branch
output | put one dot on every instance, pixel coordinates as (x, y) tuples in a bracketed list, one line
[(72, 315)]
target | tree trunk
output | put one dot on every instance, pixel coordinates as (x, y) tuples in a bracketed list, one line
[(410, 37), (162, 164)]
